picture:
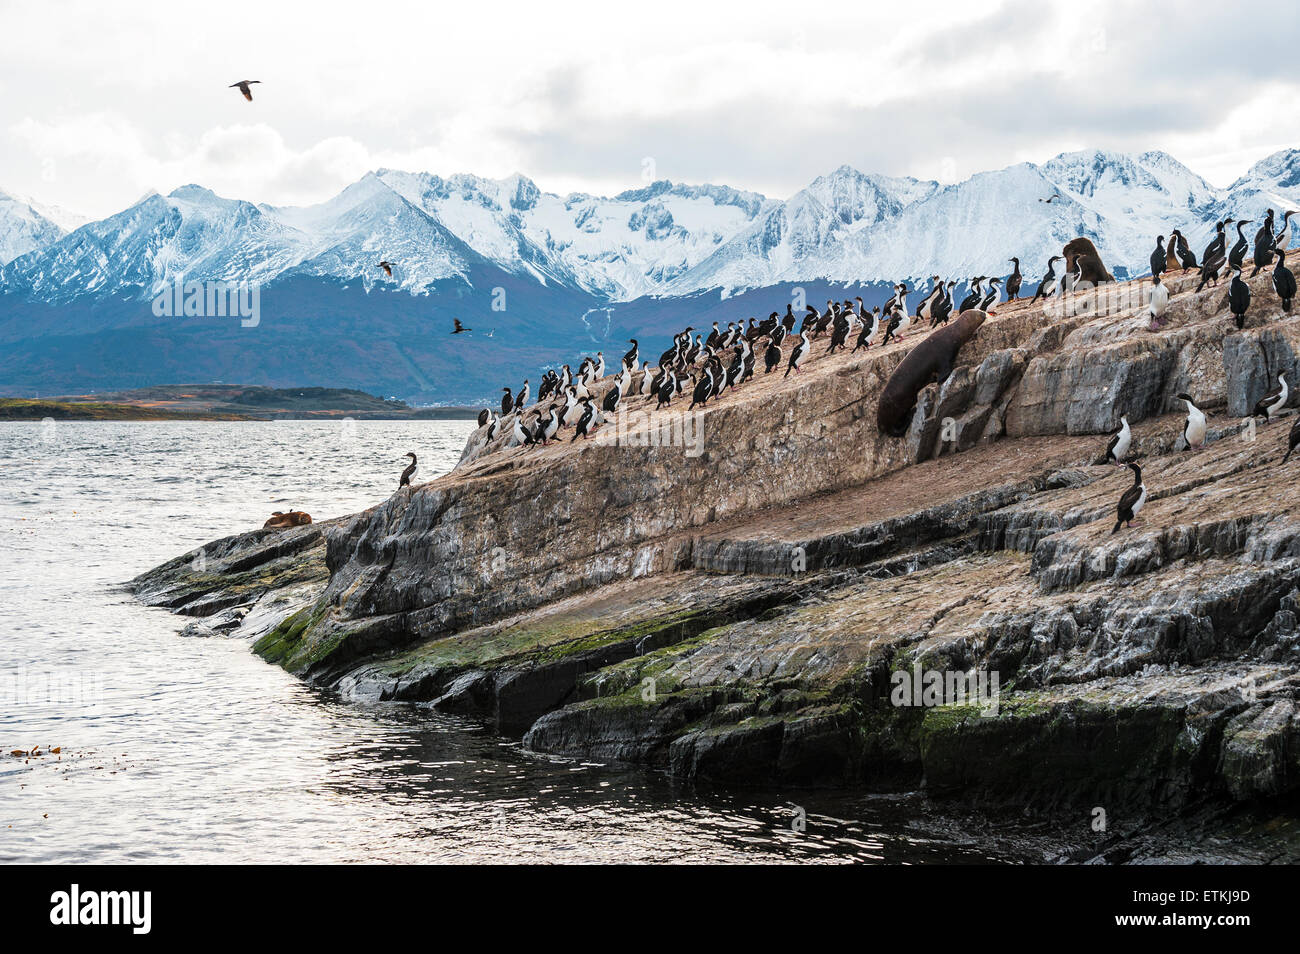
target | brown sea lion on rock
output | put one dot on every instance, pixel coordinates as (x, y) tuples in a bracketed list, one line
[(294, 518), (1081, 251), (931, 360)]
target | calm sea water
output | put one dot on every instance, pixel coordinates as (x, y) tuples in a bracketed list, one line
[(194, 750)]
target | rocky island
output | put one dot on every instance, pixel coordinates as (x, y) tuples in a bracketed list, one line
[(756, 602)]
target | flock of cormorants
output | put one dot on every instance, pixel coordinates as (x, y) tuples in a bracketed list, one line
[(705, 367)]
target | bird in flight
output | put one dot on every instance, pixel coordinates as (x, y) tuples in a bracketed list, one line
[(1054, 197), (460, 327), (243, 88), (387, 267)]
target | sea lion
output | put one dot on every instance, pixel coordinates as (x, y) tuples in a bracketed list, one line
[(931, 360), (280, 521), (1081, 251)]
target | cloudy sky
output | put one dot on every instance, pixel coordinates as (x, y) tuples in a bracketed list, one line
[(101, 103)]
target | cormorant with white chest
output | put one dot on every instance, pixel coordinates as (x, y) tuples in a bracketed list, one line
[(1194, 426), (1132, 501)]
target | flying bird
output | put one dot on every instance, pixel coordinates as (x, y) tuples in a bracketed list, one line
[(242, 86), (459, 327), (1053, 198), (387, 267)]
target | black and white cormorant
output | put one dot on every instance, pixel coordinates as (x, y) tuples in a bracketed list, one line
[(1051, 281), (1157, 303), (1120, 442), (1132, 501), (1194, 425), (612, 397), (1292, 440), (583, 429), (1273, 401), (975, 296), (797, 354), (1283, 237), (1186, 257), (507, 403), (870, 329), (991, 296)]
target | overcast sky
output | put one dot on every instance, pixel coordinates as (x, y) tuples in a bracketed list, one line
[(102, 102)]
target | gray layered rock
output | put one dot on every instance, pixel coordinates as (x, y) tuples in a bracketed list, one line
[(744, 607)]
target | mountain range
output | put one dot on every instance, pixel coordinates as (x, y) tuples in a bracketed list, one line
[(541, 277)]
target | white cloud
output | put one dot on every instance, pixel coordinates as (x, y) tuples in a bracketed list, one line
[(104, 102)]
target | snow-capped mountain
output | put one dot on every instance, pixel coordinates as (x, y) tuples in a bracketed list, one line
[(633, 244), (662, 240), (23, 227)]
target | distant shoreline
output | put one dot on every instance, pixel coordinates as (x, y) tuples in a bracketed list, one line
[(226, 403)]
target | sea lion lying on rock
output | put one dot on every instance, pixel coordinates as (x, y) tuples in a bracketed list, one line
[(1082, 251), (931, 360), (294, 518)]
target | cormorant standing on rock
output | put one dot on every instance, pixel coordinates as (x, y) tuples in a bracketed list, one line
[(1283, 237), (1264, 244), (1013, 283), (1048, 285), (972, 300), (1194, 426), (1237, 257), (1186, 257), (1273, 401), (991, 296), (1238, 297), (584, 422), (1159, 262), (772, 357), (506, 402), (1283, 281), (1119, 442), (1131, 503), (612, 397), (1292, 440), (406, 474), (870, 328), (797, 355), (667, 388), (1219, 244), (1158, 303)]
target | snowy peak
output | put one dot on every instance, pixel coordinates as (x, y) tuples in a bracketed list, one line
[(661, 238), (23, 228)]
